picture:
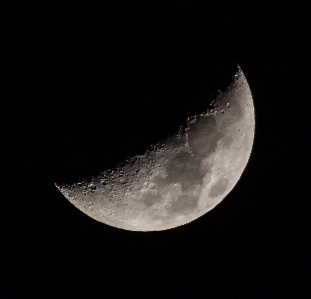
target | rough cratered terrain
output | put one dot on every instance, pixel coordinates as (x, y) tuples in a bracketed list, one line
[(180, 178)]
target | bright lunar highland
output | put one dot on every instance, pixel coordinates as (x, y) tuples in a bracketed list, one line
[(180, 178)]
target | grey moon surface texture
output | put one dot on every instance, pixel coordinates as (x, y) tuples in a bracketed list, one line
[(180, 178)]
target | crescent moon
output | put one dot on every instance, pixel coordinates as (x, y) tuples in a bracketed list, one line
[(180, 178)]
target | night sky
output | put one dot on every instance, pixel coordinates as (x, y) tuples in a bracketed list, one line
[(85, 85)]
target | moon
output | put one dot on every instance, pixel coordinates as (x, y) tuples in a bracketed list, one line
[(180, 178)]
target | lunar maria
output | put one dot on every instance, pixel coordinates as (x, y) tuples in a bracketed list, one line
[(180, 178)]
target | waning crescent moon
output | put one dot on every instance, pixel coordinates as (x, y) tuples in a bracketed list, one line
[(181, 178)]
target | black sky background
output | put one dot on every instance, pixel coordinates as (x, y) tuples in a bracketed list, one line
[(87, 84)]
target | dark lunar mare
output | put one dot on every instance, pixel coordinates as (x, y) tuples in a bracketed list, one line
[(182, 177)]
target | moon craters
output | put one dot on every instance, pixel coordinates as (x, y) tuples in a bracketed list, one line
[(180, 178)]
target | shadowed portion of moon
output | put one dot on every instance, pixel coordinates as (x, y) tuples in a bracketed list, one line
[(180, 178)]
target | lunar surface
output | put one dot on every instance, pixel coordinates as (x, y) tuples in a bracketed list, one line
[(180, 178)]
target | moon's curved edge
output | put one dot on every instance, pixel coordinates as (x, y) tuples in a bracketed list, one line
[(239, 75)]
